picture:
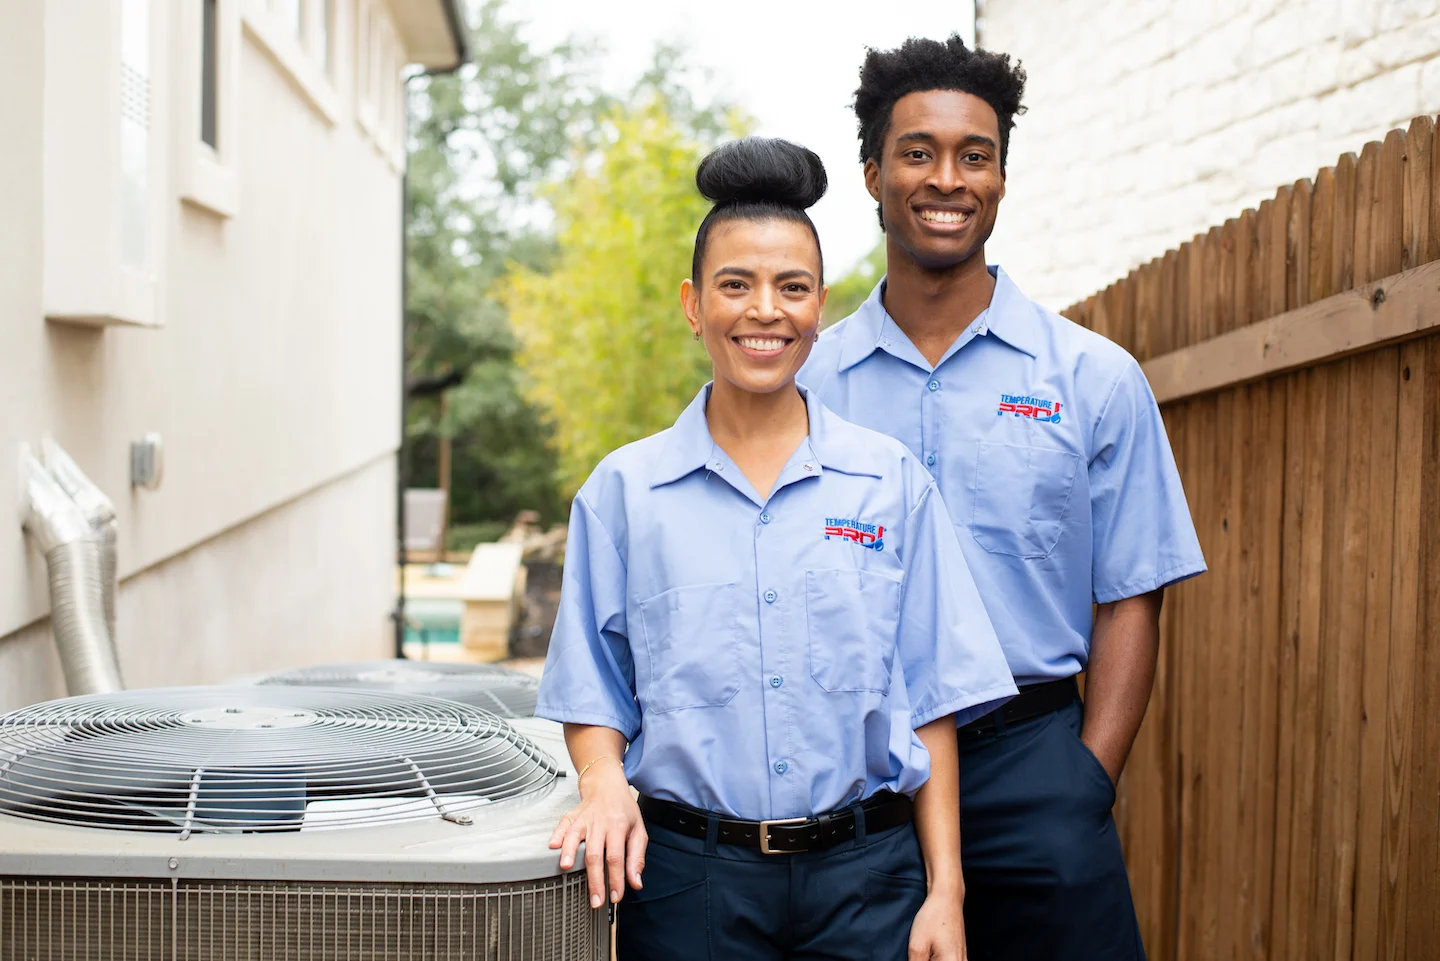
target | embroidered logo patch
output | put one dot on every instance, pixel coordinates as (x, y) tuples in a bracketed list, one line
[(1036, 408), (869, 536)]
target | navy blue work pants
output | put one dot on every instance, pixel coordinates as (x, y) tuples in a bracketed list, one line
[(704, 900), (1044, 875)]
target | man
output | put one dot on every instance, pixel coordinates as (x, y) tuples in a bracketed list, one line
[(1051, 455)]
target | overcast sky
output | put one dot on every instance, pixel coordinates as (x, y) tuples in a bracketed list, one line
[(792, 64)]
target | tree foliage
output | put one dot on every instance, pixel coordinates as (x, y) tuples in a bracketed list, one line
[(483, 141), (850, 291), (605, 343)]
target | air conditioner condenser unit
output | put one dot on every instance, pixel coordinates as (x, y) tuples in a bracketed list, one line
[(490, 687), (285, 824)]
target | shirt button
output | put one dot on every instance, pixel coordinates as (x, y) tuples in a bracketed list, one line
[(933, 385), (770, 597), (765, 517), (781, 767), (929, 460), (776, 681), (809, 466)]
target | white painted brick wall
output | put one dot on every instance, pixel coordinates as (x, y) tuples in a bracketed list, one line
[(1150, 121)]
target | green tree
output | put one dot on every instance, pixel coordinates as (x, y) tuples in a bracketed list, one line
[(482, 143), (605, 345), (850, 291)]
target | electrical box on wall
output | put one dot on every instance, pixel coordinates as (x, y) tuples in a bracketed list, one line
[(102, 183)]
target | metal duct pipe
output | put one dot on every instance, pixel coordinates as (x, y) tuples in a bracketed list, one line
[(77, 610), (99, 514)]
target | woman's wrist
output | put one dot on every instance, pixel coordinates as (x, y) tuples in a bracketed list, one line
[(602, 777)]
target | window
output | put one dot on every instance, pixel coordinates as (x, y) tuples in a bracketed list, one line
[(292, 16), (296, 35), (326, 41), (379, 91), (209, 44), (206, 122)]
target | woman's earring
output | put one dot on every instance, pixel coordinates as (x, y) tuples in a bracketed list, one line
[(697, 335)]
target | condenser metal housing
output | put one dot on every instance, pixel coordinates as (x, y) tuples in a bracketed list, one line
[(507, 693), (284, 868)]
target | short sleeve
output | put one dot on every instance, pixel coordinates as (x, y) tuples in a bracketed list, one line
[(1143, 538), (952, 661), (589, 673)]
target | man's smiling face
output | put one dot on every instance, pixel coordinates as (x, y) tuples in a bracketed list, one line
[(938, 178)]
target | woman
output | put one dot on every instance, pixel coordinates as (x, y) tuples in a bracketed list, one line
[(768, 630)]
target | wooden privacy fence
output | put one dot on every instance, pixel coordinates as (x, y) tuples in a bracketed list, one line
[(1283, 799)]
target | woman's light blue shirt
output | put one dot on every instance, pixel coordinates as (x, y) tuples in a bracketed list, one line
[(1050, 452), (768, 657)]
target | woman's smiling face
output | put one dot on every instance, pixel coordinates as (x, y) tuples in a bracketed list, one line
[(757, 302)]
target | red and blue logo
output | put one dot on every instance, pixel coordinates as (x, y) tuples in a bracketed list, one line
[(869, 536), (1036, 408)]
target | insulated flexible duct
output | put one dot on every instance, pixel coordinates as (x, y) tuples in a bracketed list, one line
[(99, 514), (77, 610)]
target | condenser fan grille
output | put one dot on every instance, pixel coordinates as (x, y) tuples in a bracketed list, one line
[(234, 759), (487, 686)]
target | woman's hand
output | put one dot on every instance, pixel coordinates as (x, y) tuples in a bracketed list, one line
[(938, 932), (608, 820)]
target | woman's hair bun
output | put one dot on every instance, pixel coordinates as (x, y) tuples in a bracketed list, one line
[(762, 170)]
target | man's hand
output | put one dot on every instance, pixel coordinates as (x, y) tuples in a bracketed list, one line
[(938, 932)]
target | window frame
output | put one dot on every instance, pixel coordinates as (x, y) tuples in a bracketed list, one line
[(207, 176), (297, 57)]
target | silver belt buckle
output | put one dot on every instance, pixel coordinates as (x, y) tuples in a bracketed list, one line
[(765, 833)]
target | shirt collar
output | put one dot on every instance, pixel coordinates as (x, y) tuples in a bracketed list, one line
[(835, 443), (1010, 317)]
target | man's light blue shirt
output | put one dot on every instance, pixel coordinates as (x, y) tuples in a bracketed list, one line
[(768, 657), (1050, 452)]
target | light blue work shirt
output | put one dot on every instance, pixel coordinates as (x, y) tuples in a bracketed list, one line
[(1051, 455), (768, 657)]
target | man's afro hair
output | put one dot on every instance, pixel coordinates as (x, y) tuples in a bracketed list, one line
[(919, 64)]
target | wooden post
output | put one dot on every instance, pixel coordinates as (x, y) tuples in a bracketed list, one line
[(444, 472)]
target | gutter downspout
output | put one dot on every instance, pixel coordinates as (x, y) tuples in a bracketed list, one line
[(73, 555)]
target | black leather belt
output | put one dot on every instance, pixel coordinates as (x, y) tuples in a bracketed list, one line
[(786, 836), (1033, 701)]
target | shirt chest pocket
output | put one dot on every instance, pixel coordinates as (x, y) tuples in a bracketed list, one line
[(692, 643), (1022, 498), (851, 621)]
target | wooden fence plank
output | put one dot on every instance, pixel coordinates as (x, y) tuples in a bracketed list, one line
[(1367, 198), (1342, 229), (1375, 680), (1276, 251), (1405, 566), (1297, 245), (1162, 337), (1199, 455), (1317, 412), (1432, 246), (1342, 621), (1387, 224), (1322, 228), (1422, 930), (1416, 200), (1227, 280), (1210, 251)]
